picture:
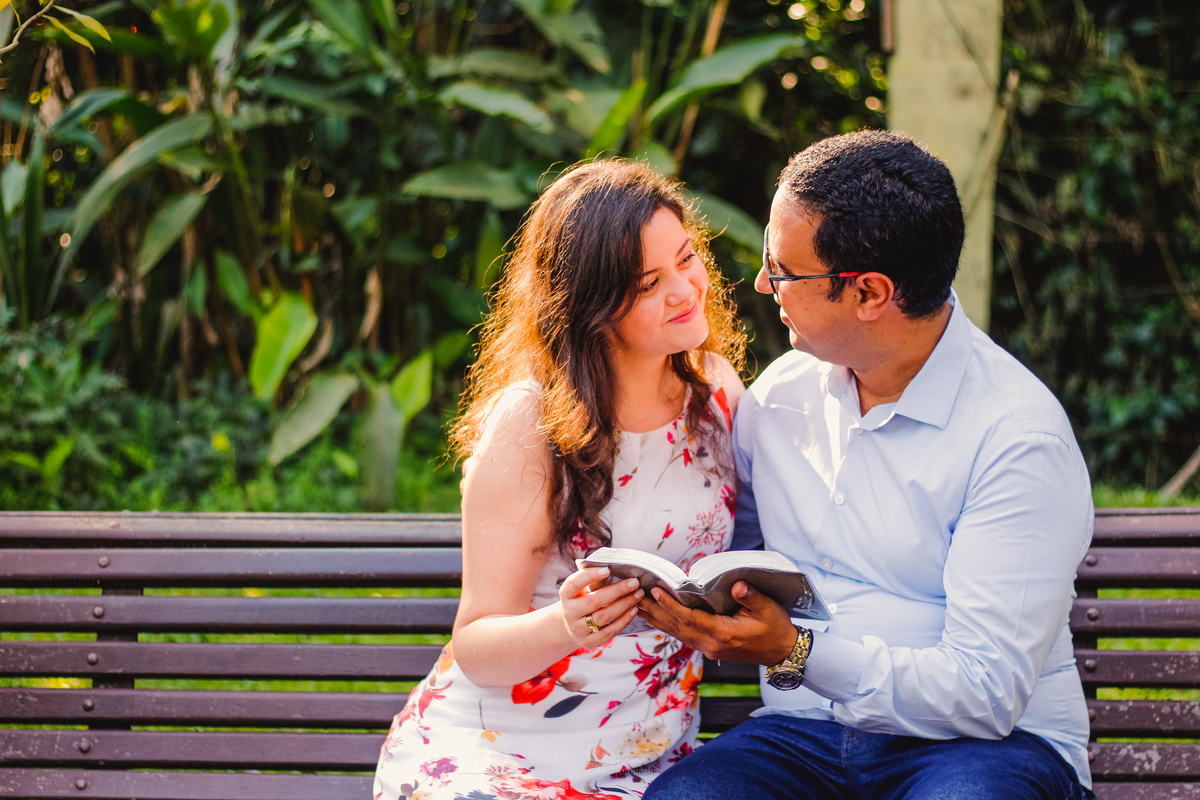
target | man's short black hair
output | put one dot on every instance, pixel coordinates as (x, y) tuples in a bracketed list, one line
[(886, 205)]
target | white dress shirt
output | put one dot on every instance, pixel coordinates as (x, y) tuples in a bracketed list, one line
[(943, 530)]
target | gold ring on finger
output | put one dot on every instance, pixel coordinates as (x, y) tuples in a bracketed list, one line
[(591, 623)]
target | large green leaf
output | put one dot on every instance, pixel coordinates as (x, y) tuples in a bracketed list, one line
[(728, 66), (496, 102), (282, 334), (12, 186), (413, 386), (469, 180), (489, 253), (87, 104), (612, 129), (346, 19), (725, 219), (493, 62), (31, 241), (95, 202), (233, 283), (379, 439), (577, 32), (167, 226), (194, 27), (311, 414), (309, 95)]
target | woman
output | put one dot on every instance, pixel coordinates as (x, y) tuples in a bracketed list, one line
[(598, 413)]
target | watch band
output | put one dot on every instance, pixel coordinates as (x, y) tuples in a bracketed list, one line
[(789, 673)]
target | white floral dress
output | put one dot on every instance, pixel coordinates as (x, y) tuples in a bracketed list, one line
[(601, 722)]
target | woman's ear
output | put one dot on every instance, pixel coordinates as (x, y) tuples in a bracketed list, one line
[(875, 292)]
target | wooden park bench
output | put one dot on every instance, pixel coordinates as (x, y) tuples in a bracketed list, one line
[(125, 738)]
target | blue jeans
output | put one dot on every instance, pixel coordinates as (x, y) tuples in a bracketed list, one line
[(777, 756)]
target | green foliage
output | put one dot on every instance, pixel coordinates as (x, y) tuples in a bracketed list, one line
[(286, 197), (1098, 227)]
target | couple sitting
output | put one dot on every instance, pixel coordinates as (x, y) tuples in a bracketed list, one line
[(928, 484)]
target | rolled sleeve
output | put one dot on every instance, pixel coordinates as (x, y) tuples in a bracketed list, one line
[(1008, 579)]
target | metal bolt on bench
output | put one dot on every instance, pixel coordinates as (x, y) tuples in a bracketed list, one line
[(89, 742)]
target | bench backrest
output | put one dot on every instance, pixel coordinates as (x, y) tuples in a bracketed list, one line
[(262, 706)]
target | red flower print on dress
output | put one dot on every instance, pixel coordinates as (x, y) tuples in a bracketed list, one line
[(624, 479), (730, 498), (647, 662), (723, 404), (666, 535), (539, 687), (687, 457), (709, 528), (670, 437)]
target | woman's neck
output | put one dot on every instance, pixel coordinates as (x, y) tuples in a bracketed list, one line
[(649, 394)]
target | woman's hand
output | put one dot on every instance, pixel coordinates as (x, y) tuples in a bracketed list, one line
[(584, 596)]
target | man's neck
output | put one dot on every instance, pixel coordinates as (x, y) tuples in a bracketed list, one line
[(906, 347)]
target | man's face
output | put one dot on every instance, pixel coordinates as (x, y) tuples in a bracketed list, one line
[(816, 324)]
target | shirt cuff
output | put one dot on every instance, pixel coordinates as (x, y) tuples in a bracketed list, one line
[(833, 667)]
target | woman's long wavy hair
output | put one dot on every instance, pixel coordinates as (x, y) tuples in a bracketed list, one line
[(573, 274)]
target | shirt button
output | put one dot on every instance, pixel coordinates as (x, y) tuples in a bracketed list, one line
[(833, 608), (859, 431), (839, 499), (827, 564)]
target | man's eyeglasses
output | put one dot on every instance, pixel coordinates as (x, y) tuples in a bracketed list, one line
[(778, 279), (775, 280)]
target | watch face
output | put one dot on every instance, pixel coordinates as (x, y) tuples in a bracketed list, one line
[(784, 681)]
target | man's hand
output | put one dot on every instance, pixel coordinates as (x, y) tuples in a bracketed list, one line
[(760, 632)]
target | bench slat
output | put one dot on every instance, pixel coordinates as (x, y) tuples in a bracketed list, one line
[(112, 614), (1146, 791), (1139, 567), (326, 566), (1157, 668), (1173, 616), (200, 708), (1110, 718), (1166, 527), (1144, 718), (1153, 760), (152, 529), (228, 661), (35, 784), (188, 749)]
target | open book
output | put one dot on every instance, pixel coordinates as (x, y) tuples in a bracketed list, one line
[(709, 583)]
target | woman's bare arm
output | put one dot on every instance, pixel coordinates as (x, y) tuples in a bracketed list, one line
[(498, 641)]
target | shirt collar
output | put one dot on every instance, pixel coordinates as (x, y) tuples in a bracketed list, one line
[(930, 395)]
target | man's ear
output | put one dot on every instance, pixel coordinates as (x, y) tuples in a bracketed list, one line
[(874, 292)]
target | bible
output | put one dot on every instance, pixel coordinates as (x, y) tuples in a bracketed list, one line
[(708, 585)]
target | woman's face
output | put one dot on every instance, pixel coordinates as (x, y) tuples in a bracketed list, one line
[(668, 315)]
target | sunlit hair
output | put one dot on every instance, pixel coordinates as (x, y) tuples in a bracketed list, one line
[(573, 275)]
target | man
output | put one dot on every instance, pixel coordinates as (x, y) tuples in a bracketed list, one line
[(932, 489)]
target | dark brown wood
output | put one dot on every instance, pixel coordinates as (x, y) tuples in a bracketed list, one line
[(31, 784), (730, 672), (238, 709), (1136, 527), (1168, 617), (719, 714), (187, 749), (232, 567), (1147, 791), (1149, 668), (1140, 567), (125, 529), (226, 661), (1145, 761), (1148, 718), (1132, 548), (227, 614)]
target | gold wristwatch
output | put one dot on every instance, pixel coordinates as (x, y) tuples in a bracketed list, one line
[(789, 673)]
